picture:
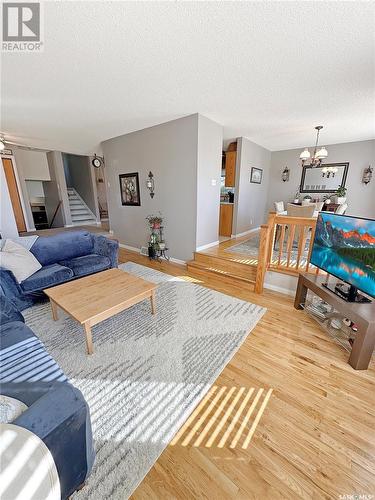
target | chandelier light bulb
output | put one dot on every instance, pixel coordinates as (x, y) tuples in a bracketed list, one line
[(305, 155)]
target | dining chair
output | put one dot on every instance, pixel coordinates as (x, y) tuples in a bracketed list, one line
[(279, 206), (300, 211), (341, 209)]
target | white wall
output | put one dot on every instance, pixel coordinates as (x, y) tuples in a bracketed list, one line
[(33, 163), (35, 189), (361, 198), (56, 190), (8, 226), (210, 139), (250, 199)]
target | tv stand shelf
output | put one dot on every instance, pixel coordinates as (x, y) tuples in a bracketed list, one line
[(363, 314)]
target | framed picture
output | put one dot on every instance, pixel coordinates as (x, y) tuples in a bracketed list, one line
[(256, 175), (129, 189)]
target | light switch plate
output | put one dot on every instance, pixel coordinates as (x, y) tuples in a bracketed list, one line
[(213, 182)]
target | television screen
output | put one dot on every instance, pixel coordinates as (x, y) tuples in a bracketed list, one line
[(345, 247)]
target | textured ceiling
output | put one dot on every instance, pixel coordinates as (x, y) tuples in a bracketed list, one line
[(269, 71)]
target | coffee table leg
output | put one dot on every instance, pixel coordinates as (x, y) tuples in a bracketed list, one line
[(54, 310), (153, 304), (87, 328)]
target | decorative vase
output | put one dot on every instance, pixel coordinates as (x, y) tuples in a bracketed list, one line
[(151, 252)]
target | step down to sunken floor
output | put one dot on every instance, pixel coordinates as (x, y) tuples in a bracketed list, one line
[(228, 269)]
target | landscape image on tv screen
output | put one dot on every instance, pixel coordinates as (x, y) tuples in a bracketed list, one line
[(345, 247)]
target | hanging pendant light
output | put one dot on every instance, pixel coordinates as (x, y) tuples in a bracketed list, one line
[(318, 155)]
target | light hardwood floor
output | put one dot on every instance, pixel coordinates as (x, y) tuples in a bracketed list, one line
[(315, 437)]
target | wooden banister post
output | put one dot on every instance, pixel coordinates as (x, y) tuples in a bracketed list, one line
[(271, 233), (262, 257)]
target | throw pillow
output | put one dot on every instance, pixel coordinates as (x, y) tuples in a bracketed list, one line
[(17, 259), (10, 409)]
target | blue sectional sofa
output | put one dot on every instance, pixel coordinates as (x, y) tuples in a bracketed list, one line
[(57, 412), (64, 257)]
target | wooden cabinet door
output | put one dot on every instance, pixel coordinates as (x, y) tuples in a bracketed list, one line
[(225, 222), (14, 194), (230, 168)]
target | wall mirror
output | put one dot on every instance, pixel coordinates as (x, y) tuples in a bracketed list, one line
[(324, 179)]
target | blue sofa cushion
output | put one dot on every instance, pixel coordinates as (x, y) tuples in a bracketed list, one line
[(23, 358), (62, 246), (87, 264), (8, 311), (47, 276)]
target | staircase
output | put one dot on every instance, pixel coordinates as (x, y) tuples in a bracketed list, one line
[(80, 212), (232, 269)]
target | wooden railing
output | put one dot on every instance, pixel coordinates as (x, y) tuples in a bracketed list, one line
[(285, 246)]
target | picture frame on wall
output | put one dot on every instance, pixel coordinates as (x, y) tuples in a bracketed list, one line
[(129, 189), (256, 175)]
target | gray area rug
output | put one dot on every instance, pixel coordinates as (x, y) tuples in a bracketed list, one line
[(147, 373), (250, 248)]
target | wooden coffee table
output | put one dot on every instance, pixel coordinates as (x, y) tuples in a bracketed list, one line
[(94, 298)]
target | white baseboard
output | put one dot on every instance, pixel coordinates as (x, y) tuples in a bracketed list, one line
[(209, 245), (280, 289), (69, 225), (178, 261), (138, 250), (128, 247), (246, 232)]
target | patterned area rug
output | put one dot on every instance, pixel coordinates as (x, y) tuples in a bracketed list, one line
[(147, 373), (250, 248)]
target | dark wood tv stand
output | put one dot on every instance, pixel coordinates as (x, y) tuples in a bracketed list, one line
[(361, 314)]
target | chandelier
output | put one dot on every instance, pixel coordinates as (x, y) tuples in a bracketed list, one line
[(318, 155)]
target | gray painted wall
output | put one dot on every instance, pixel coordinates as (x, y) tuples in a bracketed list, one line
[(78, 175), (361, 198), (169, 150), (210, 139), (250, 199)]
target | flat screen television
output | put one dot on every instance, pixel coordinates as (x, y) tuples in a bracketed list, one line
[(344, 246)]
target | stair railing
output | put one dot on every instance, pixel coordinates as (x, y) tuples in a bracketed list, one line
[(285, 246), (55, 213)]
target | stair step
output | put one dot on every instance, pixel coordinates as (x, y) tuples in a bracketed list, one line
[(236, 266), (84, 223), (203, 270), (79, 210), (82, 217)]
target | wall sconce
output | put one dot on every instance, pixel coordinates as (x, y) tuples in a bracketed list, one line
[(367, 175), (150, 184), (285, 174)]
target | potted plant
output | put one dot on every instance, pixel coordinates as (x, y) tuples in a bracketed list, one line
[(341, 195), (155, 221)]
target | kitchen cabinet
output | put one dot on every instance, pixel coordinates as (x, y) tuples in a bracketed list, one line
[(230, 168), (226, 217)]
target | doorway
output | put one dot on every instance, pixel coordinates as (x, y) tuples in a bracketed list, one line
[(14, 194)]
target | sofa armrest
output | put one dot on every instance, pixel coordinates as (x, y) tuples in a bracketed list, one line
[(61, 418), (108, 248), (8, 311), (12, 290)]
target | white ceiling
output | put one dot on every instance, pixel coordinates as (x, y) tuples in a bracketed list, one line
[(269, 71)]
